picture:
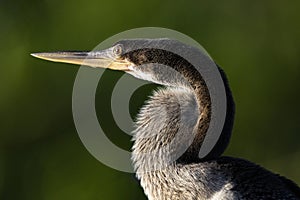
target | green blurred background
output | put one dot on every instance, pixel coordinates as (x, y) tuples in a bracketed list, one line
[(41, 155)]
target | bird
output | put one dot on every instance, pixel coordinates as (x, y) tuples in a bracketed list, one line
[(183, 100)]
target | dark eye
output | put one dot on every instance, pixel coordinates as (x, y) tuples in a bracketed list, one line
[(118, 49)]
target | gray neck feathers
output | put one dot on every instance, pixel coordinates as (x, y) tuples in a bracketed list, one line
[(164, 128), (172, 125)]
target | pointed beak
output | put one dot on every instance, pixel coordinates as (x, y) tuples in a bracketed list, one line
[(102, 59)]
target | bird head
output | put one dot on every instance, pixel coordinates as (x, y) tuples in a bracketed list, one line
[(143, 58)]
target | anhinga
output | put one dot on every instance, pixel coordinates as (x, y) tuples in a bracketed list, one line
[(184, 100)]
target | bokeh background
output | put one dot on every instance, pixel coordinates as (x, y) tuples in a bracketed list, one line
[(41, 156)]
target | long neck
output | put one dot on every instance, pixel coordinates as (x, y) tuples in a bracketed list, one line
[(156, 128)]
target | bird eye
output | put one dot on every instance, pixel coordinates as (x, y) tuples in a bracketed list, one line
[(118, 50)]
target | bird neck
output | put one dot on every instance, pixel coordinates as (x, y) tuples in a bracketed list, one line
[(171, 127)]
